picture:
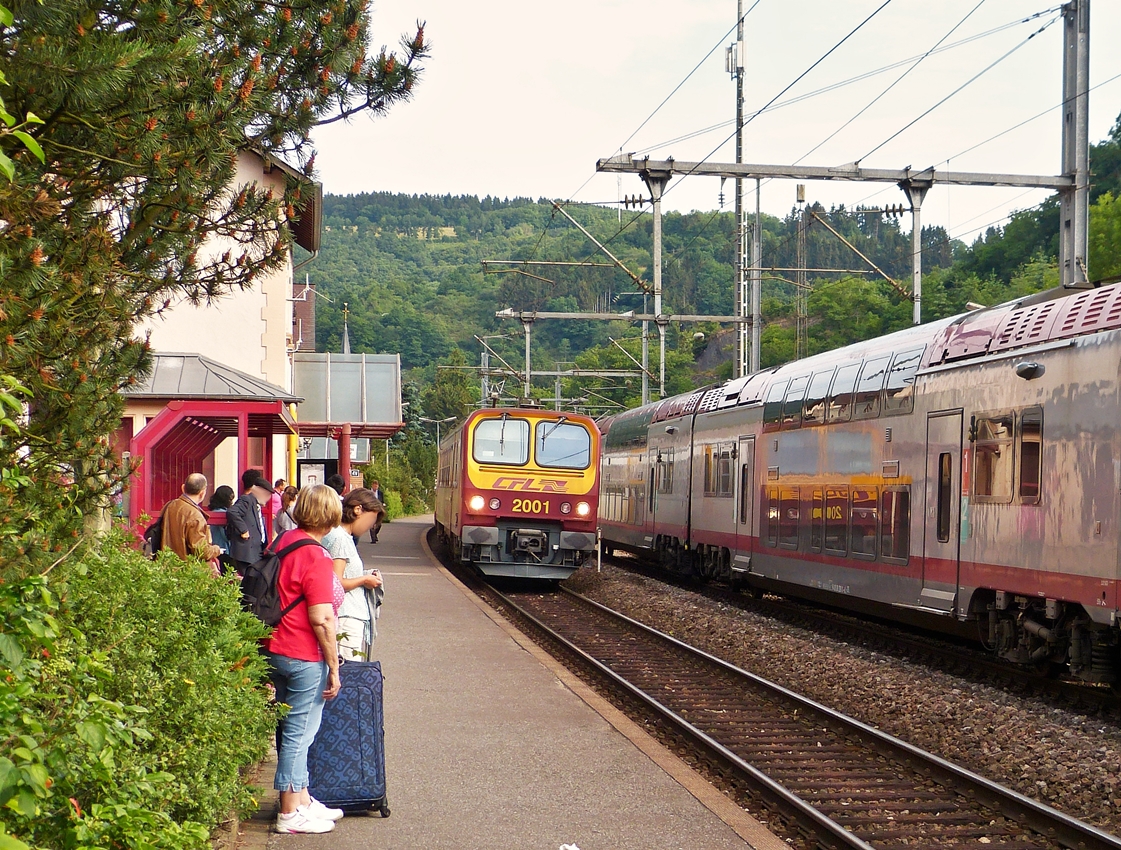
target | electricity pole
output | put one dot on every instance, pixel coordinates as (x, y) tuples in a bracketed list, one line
[(733, 61)]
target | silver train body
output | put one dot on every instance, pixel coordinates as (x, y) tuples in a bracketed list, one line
[(963, 474)]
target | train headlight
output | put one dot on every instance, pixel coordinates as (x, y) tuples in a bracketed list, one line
[(583, 509), (495, 504), (566, 507), (476, 502)]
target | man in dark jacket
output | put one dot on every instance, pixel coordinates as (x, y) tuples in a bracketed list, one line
[(245, 523)]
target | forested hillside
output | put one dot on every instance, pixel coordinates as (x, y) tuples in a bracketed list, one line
[(411, 271)]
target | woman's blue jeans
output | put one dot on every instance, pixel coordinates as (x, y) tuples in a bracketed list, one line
[(300, 685)]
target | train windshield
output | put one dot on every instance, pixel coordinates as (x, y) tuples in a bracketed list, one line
[(562, 444), (504, 440)]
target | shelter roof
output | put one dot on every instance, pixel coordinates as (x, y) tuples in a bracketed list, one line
[(193, 376)]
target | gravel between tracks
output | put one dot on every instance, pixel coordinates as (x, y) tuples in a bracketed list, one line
[(1061, 758)]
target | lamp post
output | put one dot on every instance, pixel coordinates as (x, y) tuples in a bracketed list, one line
[(437, 423)]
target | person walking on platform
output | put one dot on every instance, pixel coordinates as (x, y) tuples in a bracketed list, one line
[(303, 660), (358, 615), (245, 524), (375, 488), (185, 529)]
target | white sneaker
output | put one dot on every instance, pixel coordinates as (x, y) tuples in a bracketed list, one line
[(301, 821), (319, 811)]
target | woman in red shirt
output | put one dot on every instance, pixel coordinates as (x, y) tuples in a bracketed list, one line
[(303, 658)]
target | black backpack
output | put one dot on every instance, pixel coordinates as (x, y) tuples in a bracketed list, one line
[(260, 594)]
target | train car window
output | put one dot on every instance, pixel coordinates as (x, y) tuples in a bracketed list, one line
[(817, 520), (773, 512), (836, 518), (710, 472), (865, 524), (840, 395), (665, 471), (813, 413), (992, 459), (792, 406), (745, 493), (866, 405), (899, 392), (789, 517), (504, 440), (724, 480), (772, 406), (945, 494), (895, 525), (1030, 453), (562, 445)]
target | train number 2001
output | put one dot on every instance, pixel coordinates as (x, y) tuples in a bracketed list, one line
[(530, 506)]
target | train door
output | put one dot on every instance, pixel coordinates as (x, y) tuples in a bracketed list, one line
[(745, 504), (942, 513)]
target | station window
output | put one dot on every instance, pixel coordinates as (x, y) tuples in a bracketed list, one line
[(992, 459), (772, 406), (840, 396), (817, 520), (816, 397), (1030, 452), (899, 392), (792, 406), (789, 516), (895, 524), (866, 405), (836, 518), (772, 516), (865, 525), (503, 440)]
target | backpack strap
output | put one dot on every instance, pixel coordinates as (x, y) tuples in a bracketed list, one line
[(292, 547)]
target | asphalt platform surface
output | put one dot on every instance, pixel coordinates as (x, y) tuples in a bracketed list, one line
[(491, 745)]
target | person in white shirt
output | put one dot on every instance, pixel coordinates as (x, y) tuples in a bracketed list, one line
[(357, 623)]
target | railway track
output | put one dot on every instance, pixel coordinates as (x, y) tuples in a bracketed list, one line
[(834, 781), (936, 651)]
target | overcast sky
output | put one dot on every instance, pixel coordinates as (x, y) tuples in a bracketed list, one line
[(521, 98)]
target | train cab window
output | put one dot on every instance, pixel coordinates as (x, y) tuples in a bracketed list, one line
[(840, 395), (789, 517), (792, 406), (865, 525), (503, 440), (773, 513), (772, 406), (562, 445), (813, 413), (1030, 452), (866, 404), (895, 525), (817, 520), (836, 518), (992, 459), (899, 392)]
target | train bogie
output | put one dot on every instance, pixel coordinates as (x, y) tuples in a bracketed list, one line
[(961, 472)]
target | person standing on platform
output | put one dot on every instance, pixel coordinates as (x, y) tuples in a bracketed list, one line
[(220, 502), (358, 616), (303, 660), (375, 488), (282, 520), (185, 529), (277, 497), (245, 524)]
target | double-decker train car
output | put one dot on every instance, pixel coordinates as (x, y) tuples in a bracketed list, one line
[(517, 491), (964, 474)]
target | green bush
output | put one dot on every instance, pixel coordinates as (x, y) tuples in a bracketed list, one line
[(130, 707)]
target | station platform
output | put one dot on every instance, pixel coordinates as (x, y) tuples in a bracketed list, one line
[(493, 745)]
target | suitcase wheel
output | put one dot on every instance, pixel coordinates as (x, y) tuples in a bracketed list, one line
[(384, 809)]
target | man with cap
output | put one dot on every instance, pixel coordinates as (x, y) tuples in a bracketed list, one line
[(245, 523)]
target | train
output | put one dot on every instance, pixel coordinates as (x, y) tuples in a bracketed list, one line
[(517, 492), (962, 475)]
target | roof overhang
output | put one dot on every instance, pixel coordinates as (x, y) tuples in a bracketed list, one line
[(366, 430)]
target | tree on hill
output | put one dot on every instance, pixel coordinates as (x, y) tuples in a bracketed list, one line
[(144, 108)]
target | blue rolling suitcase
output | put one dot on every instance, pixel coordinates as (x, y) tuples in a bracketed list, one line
[(347, 760)]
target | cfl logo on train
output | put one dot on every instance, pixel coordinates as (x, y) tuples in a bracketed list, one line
[(544, 485)]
